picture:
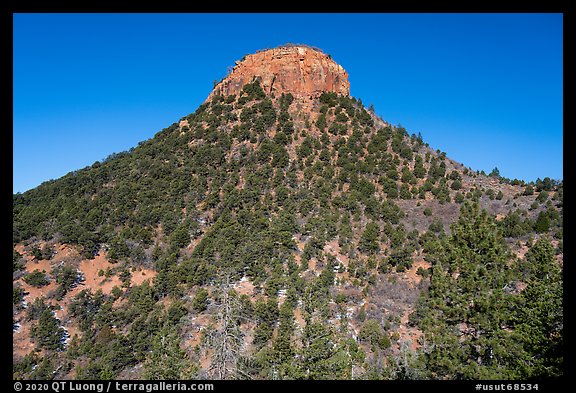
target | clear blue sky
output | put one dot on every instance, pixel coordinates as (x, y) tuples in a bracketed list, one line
[(484, 88)]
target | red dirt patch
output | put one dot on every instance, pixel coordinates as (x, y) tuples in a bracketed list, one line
[(411, 275), (139, 276), (21, 343), (408, 333), (298, 318), (91, 268), (42, 265), (521, 252), (65, 252), (333, 248), (312, 266), (244, 287)]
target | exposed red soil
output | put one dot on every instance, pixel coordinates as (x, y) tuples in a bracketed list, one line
[(411, 275), (245, 288), (298, 318), (141, 275), (90, 268), (407, 333), (21, 342)]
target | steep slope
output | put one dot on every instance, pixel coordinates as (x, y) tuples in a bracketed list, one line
[(325, 220)]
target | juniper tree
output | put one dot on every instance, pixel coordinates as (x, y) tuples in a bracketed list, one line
[(539, 318), (48, 333), (166, 359), (467, 306)]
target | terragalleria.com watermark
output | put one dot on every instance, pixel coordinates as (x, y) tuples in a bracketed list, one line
[(101, 387)]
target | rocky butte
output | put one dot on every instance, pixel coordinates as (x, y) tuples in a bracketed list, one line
[(300, 70)]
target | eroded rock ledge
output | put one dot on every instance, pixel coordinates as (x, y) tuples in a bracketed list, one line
[(300, 70)]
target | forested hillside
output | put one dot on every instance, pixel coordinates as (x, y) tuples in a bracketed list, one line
[(273, 236)]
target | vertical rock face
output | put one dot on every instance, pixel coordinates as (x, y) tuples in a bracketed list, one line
[(300, 70)]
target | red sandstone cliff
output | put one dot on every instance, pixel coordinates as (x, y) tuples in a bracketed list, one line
[(300, 70)]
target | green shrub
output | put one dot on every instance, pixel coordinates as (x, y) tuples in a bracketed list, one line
[(37, 279), (371, 332)]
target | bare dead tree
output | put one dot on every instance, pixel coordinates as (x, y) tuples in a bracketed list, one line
[(226, 339), (405, 364)]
